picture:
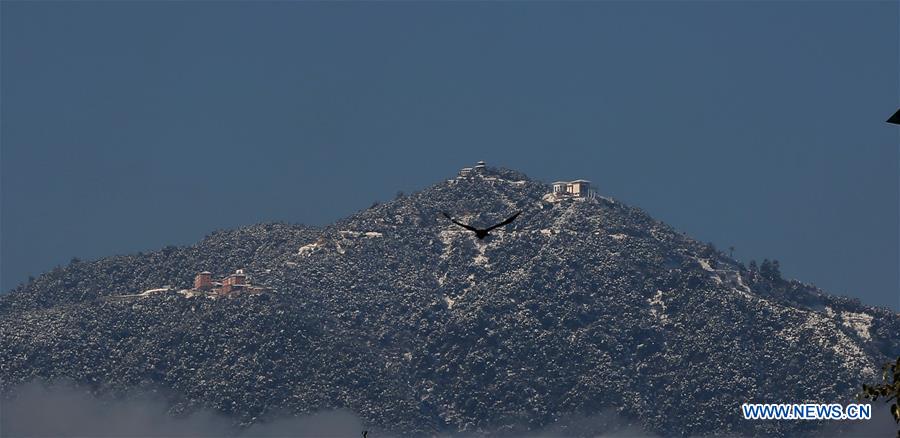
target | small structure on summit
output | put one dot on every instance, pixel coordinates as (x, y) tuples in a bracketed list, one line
[(469, 171), (572, 189), (232, 285)]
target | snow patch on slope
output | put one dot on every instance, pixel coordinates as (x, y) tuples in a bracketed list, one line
[(306, 250), (447, 237), (860, 322), (480, 258), (813, 330), (658, 307)]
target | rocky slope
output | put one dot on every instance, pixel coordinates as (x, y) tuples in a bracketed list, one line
[(578, 307)]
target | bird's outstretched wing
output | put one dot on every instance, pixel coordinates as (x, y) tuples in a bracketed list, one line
[(895, 119), (508, 220), (470, 228)]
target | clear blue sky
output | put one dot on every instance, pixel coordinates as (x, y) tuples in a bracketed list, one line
[(131, 126)]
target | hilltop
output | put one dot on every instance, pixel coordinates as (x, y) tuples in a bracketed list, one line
[(582, 305)]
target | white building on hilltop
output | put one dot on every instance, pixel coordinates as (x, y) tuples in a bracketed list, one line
[(572, 189), (468, 171)]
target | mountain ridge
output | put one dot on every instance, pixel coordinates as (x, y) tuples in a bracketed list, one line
[(578, 307)]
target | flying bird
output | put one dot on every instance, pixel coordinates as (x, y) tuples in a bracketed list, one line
[(481, 233), (895, 119)]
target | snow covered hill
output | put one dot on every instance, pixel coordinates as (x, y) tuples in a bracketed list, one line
[(576, 308)]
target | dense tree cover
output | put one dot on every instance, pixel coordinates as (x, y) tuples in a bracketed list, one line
[(577, 307)]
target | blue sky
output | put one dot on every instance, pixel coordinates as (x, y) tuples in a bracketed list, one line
[(131, 126)]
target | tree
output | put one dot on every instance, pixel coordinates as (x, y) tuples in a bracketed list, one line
[(890, 391), (770, 270)]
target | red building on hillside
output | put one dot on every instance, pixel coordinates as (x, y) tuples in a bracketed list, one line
[(203, 281), (231, 285)]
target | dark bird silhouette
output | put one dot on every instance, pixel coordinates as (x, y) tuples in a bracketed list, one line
[(895, 119), (481, 233)]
